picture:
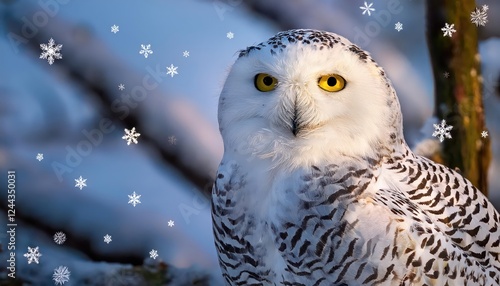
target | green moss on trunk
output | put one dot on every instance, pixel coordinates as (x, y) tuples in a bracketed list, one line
[(458, 97)]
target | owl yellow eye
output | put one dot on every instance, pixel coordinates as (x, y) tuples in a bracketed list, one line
[(265, 82), (331, 82)]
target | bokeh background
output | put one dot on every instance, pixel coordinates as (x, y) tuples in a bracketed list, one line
[(74, 114)]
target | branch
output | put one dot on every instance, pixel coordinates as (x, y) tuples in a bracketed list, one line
[(44, 203), (91, 64)]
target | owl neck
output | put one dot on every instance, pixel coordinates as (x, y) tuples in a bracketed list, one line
[(272, 151)]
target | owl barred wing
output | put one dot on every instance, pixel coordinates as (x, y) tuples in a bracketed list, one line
[(237, 235), (337, 233), (454, 205), (427, 251), (368, 232), (350, 225), (225, 226)]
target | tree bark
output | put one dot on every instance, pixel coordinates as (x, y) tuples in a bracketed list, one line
[(458, 96)]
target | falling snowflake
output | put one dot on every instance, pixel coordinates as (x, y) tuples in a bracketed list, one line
[(61, 275), (134, 199), (185, 54), (442, 131), (170, 223), (479, 16), (172, 140), (230, 35), (398, 26), (172, 70), (59, 237), (145, 50), (51, 51), (80, 183), (115, 29), (131, 136), (448, 30), (39, 157), (121, 86), (367, 8), (153, 253), (33, 254), (107, 238), (446, 74), (484, 134)]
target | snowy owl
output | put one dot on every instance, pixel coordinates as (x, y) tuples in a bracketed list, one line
[(317, 185)]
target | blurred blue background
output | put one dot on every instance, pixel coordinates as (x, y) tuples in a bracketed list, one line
[(74, 114)]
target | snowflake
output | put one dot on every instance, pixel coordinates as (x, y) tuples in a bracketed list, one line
[(484, 134), (448, 29), (479, 16), (446, 74), (80, 183), (442, 131), (172, 140), (39, 157), (33, 254), (50, 51), (59, 237), (171, 70), (230, 35), (131, 136), (145, 50), (107, 238), (121, 86), (170, 223), (134, 199), (398, 26), (367, 8), (153, 253), (185, 54), (115, 29), (61, 275)]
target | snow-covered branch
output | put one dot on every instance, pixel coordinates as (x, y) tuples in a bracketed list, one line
[(173, 127)]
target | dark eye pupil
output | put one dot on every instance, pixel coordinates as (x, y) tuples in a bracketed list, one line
[(332, 81), (267, 80)]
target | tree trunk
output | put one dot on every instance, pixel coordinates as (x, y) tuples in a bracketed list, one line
[(458, 96)]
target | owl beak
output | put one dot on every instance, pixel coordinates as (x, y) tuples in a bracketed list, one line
[(298, 125), (295, 125), (293, 115)]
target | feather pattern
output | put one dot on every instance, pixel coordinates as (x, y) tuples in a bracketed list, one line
[(346, 202)]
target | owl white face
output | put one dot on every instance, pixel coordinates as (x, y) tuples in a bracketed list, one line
[(304, 99)]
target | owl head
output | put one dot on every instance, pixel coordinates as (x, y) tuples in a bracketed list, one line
[(305, 96)]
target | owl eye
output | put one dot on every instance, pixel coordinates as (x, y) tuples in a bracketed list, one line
[(265, 82), (331, 82)]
